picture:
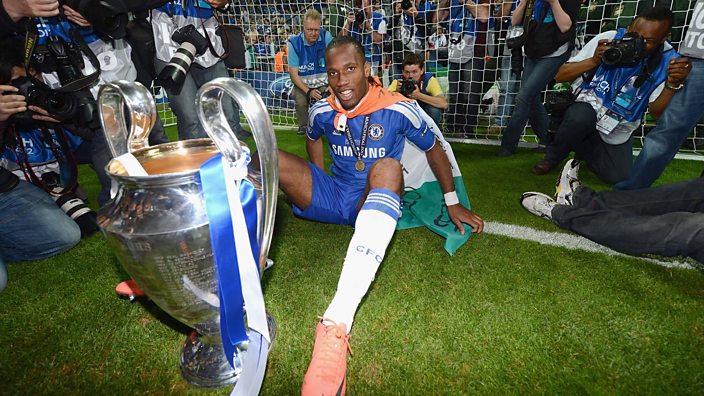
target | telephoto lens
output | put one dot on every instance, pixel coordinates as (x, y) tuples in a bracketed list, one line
[(79, 212), (192, 44)]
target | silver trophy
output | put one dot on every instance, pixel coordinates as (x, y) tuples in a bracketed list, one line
[(156, 224)]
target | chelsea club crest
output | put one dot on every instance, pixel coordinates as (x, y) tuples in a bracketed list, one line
[(376, 132)]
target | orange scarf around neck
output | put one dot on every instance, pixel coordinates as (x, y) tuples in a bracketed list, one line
[(377, 98)]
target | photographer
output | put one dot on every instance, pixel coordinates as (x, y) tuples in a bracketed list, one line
[(421, 86), (187, 56), (468, 21), (74, 60), (509, 73), (33, 225), (629, 72), (306, 63), (548, 38), (406, 27), (369, 29)]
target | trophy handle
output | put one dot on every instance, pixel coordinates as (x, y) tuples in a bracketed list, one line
[(112, 99), (212, 117)]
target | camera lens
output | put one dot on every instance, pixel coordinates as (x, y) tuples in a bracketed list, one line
[(612, 56), (192, 44), (79, 212)]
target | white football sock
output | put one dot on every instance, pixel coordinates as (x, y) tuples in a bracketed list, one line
[(374, 227)]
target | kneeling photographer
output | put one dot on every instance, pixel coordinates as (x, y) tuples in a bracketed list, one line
[(617, 76), (421, 86), (34, 225), (189, 53)]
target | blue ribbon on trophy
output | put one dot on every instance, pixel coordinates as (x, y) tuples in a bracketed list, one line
[(231, 205)]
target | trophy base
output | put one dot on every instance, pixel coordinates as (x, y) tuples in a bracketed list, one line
[(203, 362)]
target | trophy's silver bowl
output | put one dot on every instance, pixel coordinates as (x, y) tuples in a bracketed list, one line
[(158, 228)]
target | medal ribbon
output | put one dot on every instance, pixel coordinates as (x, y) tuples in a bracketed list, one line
[(359, 153), (231, 205)]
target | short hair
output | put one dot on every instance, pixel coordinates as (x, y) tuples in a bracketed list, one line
[(10, 56), (658, 13), (346, 40), (413, 59), (313, 14)]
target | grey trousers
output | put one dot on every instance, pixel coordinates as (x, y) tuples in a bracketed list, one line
[(666, 220)]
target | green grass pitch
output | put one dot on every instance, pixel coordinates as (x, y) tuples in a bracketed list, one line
[(503, 316)]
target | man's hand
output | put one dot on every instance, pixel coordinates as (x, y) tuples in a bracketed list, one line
[(459, 214), (314, 94), (678, 70), (18, 9), (75, 17), (602, 46), (217, 3), (10, 104), (42, 115), (415, 93)]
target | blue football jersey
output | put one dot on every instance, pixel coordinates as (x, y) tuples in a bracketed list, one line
[(388, 129)]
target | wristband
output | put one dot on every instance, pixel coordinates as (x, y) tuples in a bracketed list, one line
[(674, 87), (451, 198)]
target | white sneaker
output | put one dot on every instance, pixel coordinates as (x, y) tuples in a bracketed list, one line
[(538, 204), (567, 183)]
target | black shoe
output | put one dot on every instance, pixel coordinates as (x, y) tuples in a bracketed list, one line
[(540, 149), (301, 131), (243, 134), (543, 167), (504, 152)]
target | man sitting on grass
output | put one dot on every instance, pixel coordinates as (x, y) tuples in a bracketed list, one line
[(366, 127), (666, 220)]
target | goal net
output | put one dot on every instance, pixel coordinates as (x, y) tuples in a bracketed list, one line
[(480, 90)]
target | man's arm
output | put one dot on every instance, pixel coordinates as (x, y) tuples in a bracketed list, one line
[(443, 172), (478, 9), (434, 97), (438, 101), (563, 21), (296, 79), (677, 72), (315, 152), (571, 70)]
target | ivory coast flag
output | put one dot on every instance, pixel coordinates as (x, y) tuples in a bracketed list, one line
[(423, 201)]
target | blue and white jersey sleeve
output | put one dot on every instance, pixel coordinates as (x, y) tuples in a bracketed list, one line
[(413, 126), (316, 127)]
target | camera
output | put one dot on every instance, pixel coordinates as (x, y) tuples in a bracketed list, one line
[(628, 50), (515, 38), (77, 107), (192, 44), (64, 58), (359, 18), (406, 4), (407, 87), (106, 16)]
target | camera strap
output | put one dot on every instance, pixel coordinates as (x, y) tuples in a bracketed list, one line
[(63, 155), (527, 16), (30, 44), (225, 39)]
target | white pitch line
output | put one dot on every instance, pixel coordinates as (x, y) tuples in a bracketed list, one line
[(567, 241)]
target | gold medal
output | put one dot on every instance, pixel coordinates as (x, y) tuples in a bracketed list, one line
[(359, 165)]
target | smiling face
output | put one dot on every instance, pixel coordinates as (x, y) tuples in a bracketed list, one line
[(347, 74)]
